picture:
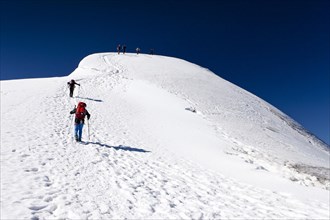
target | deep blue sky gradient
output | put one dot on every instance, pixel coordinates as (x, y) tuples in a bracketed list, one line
[(276, 49)]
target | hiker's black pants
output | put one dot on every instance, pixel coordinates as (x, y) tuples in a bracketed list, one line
[(71, 92)]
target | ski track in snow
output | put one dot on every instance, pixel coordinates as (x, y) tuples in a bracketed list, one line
[(115, 174)]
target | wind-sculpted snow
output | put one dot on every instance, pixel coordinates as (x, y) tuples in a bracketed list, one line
[(309, 136), (168, 140)]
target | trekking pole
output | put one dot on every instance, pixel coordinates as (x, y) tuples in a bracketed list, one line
[(71, 120), (88, 129), (83, 91), (78, 92)]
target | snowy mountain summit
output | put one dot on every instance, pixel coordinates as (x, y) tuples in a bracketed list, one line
[(167, 139)]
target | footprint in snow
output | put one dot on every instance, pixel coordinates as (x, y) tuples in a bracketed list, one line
[(37, 207), (31, 170), (47, 181)]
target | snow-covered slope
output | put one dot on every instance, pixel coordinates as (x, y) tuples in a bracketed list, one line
[(168, 139)]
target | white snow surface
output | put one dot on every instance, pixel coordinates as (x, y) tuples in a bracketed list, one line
[(167, 139)]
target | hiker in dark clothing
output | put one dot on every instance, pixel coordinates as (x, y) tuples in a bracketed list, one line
[(71, 85), (138, 50), (124, 49), (80, 113), (118, 48)]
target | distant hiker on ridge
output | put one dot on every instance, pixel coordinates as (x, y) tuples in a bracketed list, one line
[(118, 48), (124, 49), (71, 85), (137, 50), (80, 113)]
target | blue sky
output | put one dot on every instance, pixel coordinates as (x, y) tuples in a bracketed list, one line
[(276, 49)]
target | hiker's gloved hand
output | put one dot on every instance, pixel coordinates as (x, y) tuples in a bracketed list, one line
[(88, 116)]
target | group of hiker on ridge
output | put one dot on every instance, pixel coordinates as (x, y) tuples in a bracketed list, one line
[(137, 50), (80, 113), (121, 49)]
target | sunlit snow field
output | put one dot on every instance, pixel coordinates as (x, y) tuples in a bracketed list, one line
[(167, 139)]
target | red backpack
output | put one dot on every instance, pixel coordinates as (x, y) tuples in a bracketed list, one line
[(81, 111)]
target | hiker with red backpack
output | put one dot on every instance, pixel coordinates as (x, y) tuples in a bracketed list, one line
[(80, 113), (71, 85)]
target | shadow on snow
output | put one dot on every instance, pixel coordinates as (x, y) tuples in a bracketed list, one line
[(121, 147), (95, 100)]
